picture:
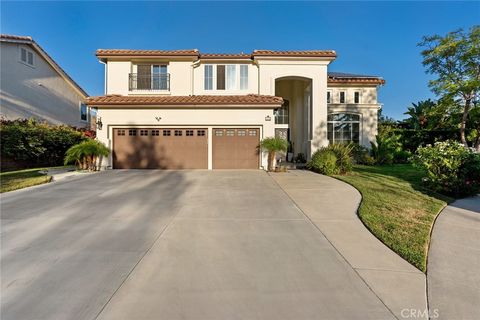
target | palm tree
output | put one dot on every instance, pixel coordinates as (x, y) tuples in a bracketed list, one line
[(419, 114), (86, 153), (273, 145)]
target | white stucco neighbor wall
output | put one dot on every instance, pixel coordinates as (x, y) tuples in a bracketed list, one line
[(138, 116), (36, 92)]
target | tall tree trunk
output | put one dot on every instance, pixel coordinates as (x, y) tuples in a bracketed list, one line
[(271, 157), (463, 124)]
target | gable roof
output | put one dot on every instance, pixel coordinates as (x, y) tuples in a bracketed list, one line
[(350, 78), (194, 100), (29, 41)]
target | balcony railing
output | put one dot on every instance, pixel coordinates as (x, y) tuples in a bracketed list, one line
[(138, 81)]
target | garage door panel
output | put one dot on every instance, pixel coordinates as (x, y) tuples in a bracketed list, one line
[(235, 148), (160, 148)]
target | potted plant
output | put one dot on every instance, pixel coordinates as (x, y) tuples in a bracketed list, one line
[(272, 145)]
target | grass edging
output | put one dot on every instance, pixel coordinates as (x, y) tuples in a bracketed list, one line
[(396, 209)]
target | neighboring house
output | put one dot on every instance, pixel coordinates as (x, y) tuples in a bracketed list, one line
[(183, 109), (33, 85)]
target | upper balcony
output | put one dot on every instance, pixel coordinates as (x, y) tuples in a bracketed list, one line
[(149, 82)]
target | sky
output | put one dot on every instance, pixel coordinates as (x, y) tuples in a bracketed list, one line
[(373, 38)]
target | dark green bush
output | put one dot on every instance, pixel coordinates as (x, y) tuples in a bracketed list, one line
[(361, 155), (388, 147), (343, 154), (29, 143), (324, 162), (450, 168)]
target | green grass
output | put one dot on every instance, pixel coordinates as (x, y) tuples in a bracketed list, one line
[(397, 209), (14, 180)]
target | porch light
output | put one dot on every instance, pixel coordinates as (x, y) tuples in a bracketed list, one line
[(99, 123), (268, 118)]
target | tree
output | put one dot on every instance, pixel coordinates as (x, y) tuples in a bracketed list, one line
[(419, 114), (273, 145), (455, 60)]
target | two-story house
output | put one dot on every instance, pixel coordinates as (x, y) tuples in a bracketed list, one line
[(33, 85), (184, 109)]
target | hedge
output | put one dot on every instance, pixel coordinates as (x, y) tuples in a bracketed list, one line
[(29, 143)]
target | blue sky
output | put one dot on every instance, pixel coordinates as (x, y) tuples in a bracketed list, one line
[(376, 38)]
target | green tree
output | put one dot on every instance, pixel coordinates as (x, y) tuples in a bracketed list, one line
[(455, 60), (419, 114), (273, 145)]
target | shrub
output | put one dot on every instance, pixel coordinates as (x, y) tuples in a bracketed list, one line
[(29, 143), (324, 162), (273, 145), (343, 155), (86, 154), (450, 168), (361, 155), (388, 148)]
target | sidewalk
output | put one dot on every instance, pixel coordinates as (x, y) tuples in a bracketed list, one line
[(454, 261), (332, 206)]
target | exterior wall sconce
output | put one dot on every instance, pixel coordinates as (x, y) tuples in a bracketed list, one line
[(99, 123), (268, 118)]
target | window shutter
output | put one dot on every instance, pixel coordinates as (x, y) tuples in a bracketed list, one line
[(220, 77)]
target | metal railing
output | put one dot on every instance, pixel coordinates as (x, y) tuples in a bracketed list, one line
[(138, 81)]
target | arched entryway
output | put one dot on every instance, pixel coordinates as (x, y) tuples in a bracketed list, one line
[(293, 121)]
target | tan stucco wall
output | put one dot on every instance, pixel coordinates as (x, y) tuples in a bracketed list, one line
[(35, 92), (137, 116)]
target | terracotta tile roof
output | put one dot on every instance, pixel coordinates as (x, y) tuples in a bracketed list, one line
[(147, 53), (301, 53), (349, 78), (225, 56), (246, 100), (13, 37)]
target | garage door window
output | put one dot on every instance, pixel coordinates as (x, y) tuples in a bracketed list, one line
[(252, 133), (132, 132), (218, 133), (144, 132), (189, 133), (155, 132), (178, 133), (200, 133), (230, 133), (241, 133), (166, 133), (121, 132)]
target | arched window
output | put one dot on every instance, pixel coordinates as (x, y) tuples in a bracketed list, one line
[(343, 128), (281, 115)]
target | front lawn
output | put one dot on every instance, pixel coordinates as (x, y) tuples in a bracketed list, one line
[(396, 208), (14, 180)]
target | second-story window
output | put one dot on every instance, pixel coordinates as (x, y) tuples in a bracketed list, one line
[(220, 77), (208, 79), (150, 77), (243, 77), (356, 97), (342, 96), (329, 97), (231, 77)]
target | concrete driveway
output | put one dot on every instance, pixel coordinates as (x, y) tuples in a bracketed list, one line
[(172, 245)]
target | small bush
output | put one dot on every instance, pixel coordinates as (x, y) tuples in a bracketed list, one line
[(388, 148), (450, 168), (361, 155), (324, 162), (343, 155)]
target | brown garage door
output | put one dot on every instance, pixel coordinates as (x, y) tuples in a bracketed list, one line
[(160, 148), (235, 148)]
